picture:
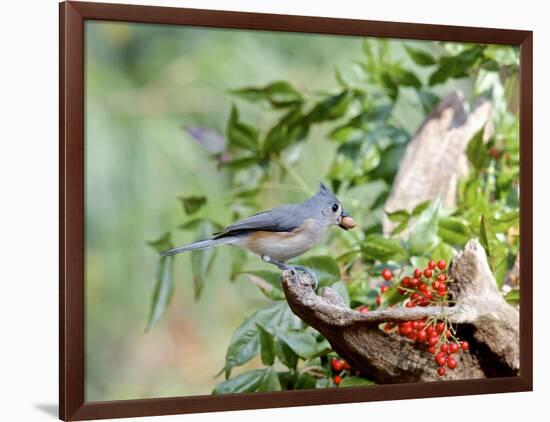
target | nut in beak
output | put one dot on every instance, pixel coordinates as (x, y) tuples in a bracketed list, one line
[(346, 222)]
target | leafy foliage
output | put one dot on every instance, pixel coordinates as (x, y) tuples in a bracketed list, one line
[(361, 121)]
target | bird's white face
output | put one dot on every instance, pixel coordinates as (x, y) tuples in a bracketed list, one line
[(333, 214)]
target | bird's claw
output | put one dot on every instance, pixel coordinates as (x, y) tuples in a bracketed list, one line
[(309, 272)]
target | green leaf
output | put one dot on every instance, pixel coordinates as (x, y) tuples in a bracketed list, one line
[(477, 151), (305, 381), (280, 94), (428, 100), (392, 296), (389, 85), (454, 230), (398, 216), (389, 163), (238, 260), (504, 222), (163, 243), (342, 291), (331, 108), (290, 129), (191, 204), (245, 342), (440, 75), (420, 57), (162, 291), (496, 251), (402, 77), (443, 251), (355, 382), (423, 237), (379, 248), (267, 345), (457, 66), (267, 281), (286, 355), (202, 260), (240, 163), (512, 297), (301, 343), (256, 380), (420, 208), (270, 381), (241, 135), (325, 268)]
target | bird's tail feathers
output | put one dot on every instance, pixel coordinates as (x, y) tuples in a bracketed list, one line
[(201, 244)]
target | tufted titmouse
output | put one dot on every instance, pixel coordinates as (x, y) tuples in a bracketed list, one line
[(281, 233)]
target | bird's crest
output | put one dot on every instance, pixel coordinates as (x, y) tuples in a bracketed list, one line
[(325, 191)]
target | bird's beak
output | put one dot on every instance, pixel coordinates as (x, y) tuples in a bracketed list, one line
[(345, 221)]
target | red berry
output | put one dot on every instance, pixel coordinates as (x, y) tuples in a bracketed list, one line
[(337, 364), (405, 330), (410, 305), (441, 291), (406, 282), (454, 347), (431, 350), (432, 265), (422, 335), (422, 287), (417, 273), (451, 363), (440, 326), (428, 273), (464, 345), (436, 285), (430, 330), (337, 379), (441, 371), (414, 282), (386, 274), (440, 360), (442, 278), (441, 264), (387, 327), (384, 289), (432, 340), (421, 324), (428, 295), (444, 348), (346, 366), (363, 309), (412, 335), (378, 300)]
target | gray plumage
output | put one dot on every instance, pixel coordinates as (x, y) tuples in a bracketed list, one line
[(309, 220)]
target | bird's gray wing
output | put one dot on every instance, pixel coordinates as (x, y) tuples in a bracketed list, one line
[(280, 219)]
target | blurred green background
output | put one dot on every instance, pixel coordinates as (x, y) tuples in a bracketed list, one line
[(143, 84)]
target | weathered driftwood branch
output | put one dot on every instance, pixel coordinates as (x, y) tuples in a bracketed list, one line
[(483, 317), (435, 158)]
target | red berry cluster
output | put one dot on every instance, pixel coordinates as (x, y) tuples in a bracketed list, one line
[(423, 288), (340, 368)]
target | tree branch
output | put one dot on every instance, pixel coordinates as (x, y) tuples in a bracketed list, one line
[(484, 318)]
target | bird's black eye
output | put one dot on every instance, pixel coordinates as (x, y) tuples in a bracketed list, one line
[(335, 207)]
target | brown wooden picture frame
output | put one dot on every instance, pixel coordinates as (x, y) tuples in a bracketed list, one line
[(71, 264)]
